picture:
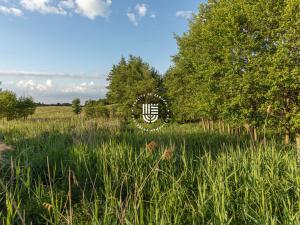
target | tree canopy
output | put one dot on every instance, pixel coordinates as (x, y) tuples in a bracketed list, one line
[(128, 80), (15, 108), (238, 59)]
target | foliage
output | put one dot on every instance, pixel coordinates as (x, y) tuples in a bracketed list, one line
[(76, 106), (95, 109), (284, 75), (130, 79), (238, 59), (8, 103), (25, 107), (79, 171), (13, 108)]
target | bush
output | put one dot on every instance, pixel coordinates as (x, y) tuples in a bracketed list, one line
[(94, 109), (13, 108), (25, 107), (76, 106)]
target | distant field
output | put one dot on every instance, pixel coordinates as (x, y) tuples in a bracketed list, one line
[(67, 169), (53, 112)]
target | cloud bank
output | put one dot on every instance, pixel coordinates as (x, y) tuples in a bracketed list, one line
[(20, 74), (88, 8), (10, 10), (54, 87), (185, 14)]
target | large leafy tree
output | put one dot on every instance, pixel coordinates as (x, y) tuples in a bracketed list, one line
[(284, 75), (223, 60), (130, 79), (185, 82)]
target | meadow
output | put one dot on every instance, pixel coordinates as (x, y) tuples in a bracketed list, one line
[(68, 169)]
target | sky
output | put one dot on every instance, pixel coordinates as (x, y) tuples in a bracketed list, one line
[(57, 50)]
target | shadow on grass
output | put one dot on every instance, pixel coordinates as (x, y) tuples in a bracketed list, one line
[(99, 164)]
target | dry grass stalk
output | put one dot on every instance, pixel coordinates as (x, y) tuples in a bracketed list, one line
[(47, 206), (168, 153), (269, 109), (5, 148), (151, 146)]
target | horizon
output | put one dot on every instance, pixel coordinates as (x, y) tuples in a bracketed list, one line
[(55, 51)]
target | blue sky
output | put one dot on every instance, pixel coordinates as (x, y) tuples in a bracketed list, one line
[(55, 50)]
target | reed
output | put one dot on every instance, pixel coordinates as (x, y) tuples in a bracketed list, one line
[(69, 170)]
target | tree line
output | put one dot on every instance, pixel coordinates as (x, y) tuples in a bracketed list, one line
[(237, 68), (240, 63), (237, 65)]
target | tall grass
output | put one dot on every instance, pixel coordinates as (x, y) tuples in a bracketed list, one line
[(69, 170)]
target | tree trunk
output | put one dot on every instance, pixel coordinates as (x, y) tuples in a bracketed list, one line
[(223, 126), (208, 125), (287, 136), (228, 129), (239, 131), (247, 128), (298, 146), (255, 134), (203, 124)]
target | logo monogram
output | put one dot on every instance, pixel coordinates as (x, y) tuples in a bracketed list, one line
[(150, 113)]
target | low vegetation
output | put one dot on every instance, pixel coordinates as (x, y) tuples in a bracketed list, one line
[(67, 169), (12, 107)]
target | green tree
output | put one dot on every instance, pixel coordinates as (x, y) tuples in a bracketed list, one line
[(94, 109), (8, 103), (76, 106), (222, 62), (130, 79), (284, 73), (25, 107)]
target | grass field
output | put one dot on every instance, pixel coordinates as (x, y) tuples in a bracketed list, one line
[(70, 170)]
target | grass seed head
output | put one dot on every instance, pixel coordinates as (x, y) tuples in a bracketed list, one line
[(5, 148), (151, 146), (168, 153), (47, 206)]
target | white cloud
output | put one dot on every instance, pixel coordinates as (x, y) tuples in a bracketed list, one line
[(26, 84), (9, 82), (49, 90), (11, 11), (34, 86), (81, 88), (185, 14), (49, 83), (66, 4), (88, 8), (93, 8), (42, 6), (132, 18), (140, 11), (153, 15), (38, 74)]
